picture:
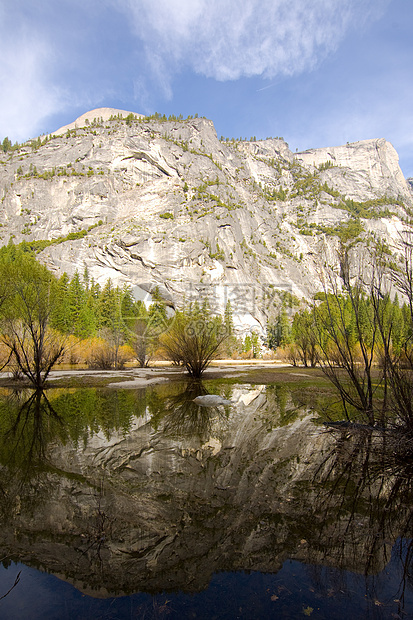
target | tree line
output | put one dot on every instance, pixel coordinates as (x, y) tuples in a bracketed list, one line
[(311, 335)]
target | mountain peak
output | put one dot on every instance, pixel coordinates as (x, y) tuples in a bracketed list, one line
[(98, 113)]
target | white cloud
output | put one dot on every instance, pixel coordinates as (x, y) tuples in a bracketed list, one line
[(46, 69), (40, 63), (230, 39), (27, 95)]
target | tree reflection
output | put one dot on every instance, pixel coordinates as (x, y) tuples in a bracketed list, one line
[(366, 490), (28, 427), (184, 418), (28, 423), (34, 424)]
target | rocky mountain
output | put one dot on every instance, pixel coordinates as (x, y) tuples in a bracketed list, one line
[(152, 201)]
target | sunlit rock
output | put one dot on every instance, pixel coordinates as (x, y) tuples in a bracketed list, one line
[(165, 203), (211, 400)]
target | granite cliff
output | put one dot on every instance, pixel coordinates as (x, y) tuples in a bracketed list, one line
[(151, 201)]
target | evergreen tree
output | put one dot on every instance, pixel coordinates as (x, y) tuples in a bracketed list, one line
[(228, 319), (112, 325), (109, 311), (279, 332), (255, 345), (7, 145), (157, 315), (61, 318), (76, 300), (247, 344)]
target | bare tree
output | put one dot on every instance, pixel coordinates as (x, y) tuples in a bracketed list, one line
[(305, 339), (143, 341), (398, 361), (348, 338), (194, 339), (366, 339), (34, 346)]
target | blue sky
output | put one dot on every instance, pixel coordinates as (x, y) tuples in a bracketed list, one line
[(317, 72)]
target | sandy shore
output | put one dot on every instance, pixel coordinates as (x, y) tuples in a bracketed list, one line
[(160, 372)]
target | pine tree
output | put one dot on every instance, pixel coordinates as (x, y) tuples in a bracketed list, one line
[(157, 315), (76, 300), (61, 317), (228, 319), (7, 145)]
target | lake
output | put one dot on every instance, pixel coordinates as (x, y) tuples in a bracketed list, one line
[(140, 503)]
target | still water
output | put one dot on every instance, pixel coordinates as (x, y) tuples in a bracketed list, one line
[(144, 504)]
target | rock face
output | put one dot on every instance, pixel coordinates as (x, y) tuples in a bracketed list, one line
[(164, 202), (370, 165)]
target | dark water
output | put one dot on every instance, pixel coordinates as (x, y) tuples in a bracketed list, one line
[(143, 504), (296, 591)]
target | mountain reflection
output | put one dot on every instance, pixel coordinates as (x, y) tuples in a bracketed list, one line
[(145, 490)]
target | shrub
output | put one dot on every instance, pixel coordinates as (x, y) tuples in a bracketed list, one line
[(100, 355), (125, 354), (194, 339)]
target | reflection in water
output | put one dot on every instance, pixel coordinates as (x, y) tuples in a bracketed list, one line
[(28, 423), (31, 420), (367, 493), (185, 418), (34, 425), (125, 490)]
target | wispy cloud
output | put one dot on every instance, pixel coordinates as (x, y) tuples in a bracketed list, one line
[(29, 59), (26, 95), (230, 39), (43, 50), (56, 56)]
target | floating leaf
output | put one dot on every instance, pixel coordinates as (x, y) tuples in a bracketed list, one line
[(307, 611)]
